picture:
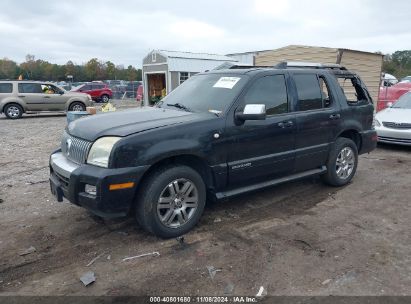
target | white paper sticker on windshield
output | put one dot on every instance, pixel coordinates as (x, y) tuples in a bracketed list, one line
[(226, 82)]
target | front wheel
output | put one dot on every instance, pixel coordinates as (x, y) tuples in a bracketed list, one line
[(342, 162), (171, 201), (77, 106)]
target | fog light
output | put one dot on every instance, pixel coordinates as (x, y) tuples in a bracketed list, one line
[(90, 189)]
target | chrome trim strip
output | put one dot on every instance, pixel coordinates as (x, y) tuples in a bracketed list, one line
[(62, 165)]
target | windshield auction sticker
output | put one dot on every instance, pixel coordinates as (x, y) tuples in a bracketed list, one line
[(226, 82)]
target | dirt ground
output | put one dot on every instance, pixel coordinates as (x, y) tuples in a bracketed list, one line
[(300, 238)]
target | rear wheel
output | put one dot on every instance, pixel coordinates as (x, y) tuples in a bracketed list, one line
[(77, 106), (105, 98), (13, 111), (172, 201), (342, 162)]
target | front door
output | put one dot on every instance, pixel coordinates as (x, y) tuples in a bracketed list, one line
[(262, 148)]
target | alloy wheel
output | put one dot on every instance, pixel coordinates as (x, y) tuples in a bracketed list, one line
[(178, 203), (345, 162), (13, 111)]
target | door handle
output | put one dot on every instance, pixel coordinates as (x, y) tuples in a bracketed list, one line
[(21, 96), (285, 124), (46, 96), (335, 116)]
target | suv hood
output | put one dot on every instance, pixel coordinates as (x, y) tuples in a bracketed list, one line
[(127, 122)]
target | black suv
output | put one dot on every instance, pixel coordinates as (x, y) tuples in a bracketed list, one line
[(220, 134)]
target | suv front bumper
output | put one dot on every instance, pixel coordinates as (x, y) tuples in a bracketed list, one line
[(69, 180)]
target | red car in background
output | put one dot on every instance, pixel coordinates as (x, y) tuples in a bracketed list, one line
[(391, 94), (98, 91), (139, 93)]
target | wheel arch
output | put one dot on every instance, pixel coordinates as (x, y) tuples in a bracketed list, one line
[(12, 101), (193, 161), (354, 135)]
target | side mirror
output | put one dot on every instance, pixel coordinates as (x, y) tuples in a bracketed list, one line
[(251, 112)]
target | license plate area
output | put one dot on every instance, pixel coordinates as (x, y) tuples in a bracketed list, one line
[(56, 189)]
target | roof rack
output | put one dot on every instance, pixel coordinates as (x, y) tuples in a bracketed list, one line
[(309, 65), (337, 69)]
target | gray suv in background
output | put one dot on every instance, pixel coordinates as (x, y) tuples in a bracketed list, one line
[(18, 97)]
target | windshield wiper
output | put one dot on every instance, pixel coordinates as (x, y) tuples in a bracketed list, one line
[(179, 106)]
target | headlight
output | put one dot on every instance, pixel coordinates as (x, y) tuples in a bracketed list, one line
[(99, 153), (377, 123), (89, 97)]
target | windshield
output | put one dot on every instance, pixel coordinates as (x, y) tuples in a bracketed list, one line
[(206, 93), (404, 102)]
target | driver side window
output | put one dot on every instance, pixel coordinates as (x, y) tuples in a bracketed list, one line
[(271, 91)]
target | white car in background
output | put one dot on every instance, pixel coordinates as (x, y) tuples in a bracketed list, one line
[(393, 124)]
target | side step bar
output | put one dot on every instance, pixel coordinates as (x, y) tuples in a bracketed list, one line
[(237, 191)]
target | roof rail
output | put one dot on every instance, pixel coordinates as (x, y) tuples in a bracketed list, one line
[(309, 65), (231, 66)]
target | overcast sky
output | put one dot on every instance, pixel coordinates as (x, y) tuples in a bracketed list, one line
[(125, 31)]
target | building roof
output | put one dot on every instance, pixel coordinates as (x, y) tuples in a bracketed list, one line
[(192, 62), (189, 55)]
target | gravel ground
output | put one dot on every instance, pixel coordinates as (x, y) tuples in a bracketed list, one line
[(300, 238)]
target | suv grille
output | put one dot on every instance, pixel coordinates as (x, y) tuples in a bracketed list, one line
[(396, 125), (75, 149)]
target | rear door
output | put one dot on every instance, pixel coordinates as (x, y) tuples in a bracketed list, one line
[(262, 148), (32, 94), (318, 118)]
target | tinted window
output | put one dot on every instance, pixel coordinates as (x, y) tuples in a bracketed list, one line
[(325, 92), (271, 91), (30, 88), (86, 87), (6, 88), (309, 93), (98, 86)]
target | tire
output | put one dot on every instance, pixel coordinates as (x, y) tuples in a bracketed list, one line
[(178, 213), (105, 98), (77, 106), (342, 163), (13, 111)]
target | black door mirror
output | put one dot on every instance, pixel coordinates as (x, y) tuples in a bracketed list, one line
[(251, 112)]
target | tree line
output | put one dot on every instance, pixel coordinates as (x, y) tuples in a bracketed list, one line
[(398, 64), (94, 69)]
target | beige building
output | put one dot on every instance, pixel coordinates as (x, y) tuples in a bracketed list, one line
[(367, 65)]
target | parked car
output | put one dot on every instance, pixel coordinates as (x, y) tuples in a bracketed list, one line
[(131, 88), (18, 97), (140, 93), (219, 134), (97, 90), (389, 95), (393, 125), (406, 79)]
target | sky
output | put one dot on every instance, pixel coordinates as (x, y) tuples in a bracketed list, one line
[(124, 31)]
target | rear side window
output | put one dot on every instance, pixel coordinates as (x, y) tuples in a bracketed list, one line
[(309, 92), (6, 88), (352, 90), (30, 88), (271, 91)]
